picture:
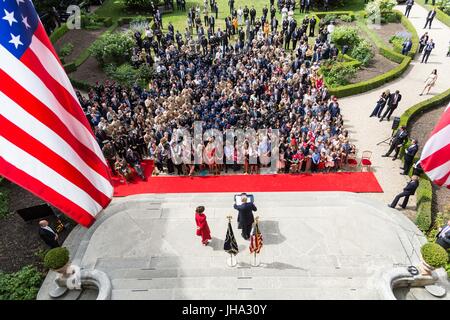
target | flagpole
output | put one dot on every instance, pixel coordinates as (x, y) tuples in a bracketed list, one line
[(230, 261), (255, 264)]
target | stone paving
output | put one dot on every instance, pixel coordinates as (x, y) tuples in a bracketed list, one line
[(321, 245), (366, 132)]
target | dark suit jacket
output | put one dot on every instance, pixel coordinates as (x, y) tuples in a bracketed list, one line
[(445, 241), (391, 100), (49, 238), (411, 187), (431, 15), (245, 215), (411, 151), (400, 137)]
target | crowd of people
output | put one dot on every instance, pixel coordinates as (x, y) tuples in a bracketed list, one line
[(255, 83)]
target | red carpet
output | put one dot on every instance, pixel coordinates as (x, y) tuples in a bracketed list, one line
[(341, 181)]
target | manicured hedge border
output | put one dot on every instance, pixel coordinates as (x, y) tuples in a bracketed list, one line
[(404, 61), (58, 33), (322, 14), (425, 190)]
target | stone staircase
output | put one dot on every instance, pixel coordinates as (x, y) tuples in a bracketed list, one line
[(165, 278)]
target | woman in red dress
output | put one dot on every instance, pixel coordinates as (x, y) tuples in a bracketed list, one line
[(202, 225)]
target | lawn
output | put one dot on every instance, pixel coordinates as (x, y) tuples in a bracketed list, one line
[(116, 9)]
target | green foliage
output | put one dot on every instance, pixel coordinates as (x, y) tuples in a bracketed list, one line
[(444, 6), (139, 4), (66, 50), (56, 258), (112, 48), (363, 52), (328, 18), (347, 18), (397, 40), (21, 285), (364, 86), (434, 255), (424, 196), (337, 73), (4, 200), (127, 75), (58, 33), (70, 67), (345, 36), (381, 11), (80, 85)]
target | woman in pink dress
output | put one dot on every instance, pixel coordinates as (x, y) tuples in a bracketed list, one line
[(202, 225)]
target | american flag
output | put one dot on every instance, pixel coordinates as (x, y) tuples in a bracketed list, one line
[(46, 143), (256, 240), (435, 158)]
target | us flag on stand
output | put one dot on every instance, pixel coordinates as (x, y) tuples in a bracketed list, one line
[(435, 158), (256, 240), (46, 143)]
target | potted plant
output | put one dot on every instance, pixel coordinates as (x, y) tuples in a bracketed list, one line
[(57, 259), (433, 257)]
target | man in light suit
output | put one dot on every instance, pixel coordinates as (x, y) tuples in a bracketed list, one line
[(245, 216), (408, 191), (397, 142), (443, 237), (47, 234), (410, 152), (392, 103)]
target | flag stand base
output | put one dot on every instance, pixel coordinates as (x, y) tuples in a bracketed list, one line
[(232, 261), (255, 261)]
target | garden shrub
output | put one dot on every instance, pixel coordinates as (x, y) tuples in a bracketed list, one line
[(346, 18), (56, 258), (381, 11), (338, 73), (58, 33), (112, 48), (434, 255), (70, 67), (328, 18), (363, 52), (127, 75), (345, 36), (21, 285), (66, 50)]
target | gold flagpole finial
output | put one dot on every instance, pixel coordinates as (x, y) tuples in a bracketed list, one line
[(229, 218)]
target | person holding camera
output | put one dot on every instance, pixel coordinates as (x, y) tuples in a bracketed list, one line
[(397, 142)]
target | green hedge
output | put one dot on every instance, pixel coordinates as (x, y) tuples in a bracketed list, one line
[(70, 67), (443, 17), (360, 87), (424, 196), (373, 83), (58, 33), (424, 191), (320, 15)]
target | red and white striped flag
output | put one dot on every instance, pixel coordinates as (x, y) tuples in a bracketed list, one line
[(46, 143), (256, 240), (435, 158)]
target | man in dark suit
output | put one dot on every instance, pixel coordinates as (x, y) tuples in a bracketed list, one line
[(245, 216), (427, 51), (312, 25), (212, 22), (393, 100), (397, 142), (430, 18), (47, 234), (408, 191), (410, 152), (409, 4), (443, 237), (407, 45)]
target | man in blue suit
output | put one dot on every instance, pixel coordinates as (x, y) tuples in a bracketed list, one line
[(245, 216), (406, 47)]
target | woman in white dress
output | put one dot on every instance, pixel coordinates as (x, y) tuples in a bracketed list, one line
[(429, 83)]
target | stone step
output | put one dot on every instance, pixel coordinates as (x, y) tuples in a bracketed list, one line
[(328, 293), (234, 283), (224, 272)]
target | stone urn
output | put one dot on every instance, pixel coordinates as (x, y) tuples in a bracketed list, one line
[(426, 269)]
